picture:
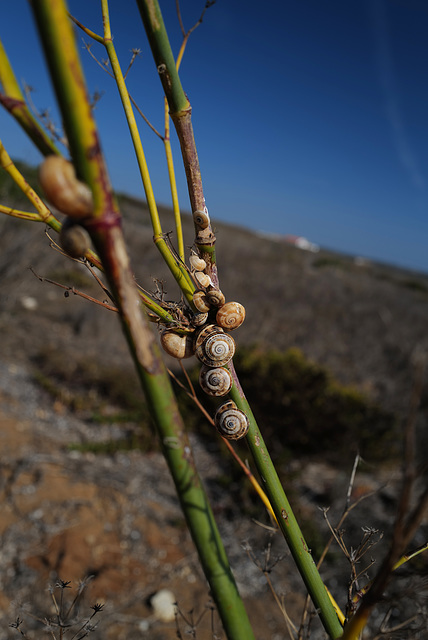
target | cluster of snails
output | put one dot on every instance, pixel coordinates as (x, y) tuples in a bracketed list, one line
[(204, 338), (213, 347)]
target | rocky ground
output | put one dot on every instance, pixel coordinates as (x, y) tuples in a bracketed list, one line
[(69, 513)]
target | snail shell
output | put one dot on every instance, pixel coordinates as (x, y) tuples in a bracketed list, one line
[(197, 263), (231, 422), (63, 189), (201, 301), (215, 297), (216, 349), (215, 382), (74, 239), (199, 319), (203, 279), (201, 219), (205, 332), (230, 316), (176, 345)]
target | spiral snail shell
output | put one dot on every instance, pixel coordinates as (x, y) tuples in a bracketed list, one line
[(199, 319), (214, 347), (63, 189), (215, 381), (197, 263), (231, 315), (74, 239), (231, 422), (176, 345), (201, 219), (203, 279), (215, 297), (201, 301)]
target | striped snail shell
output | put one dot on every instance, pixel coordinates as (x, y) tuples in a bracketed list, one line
[(215, 297), (74, 239), (201, 301), (197, 263), (231, 422), (215, 381), (205, 332), (63, 189), (176, 345), (199, 319), (231, 315), (214, 347), (201, 219), (203, 279)]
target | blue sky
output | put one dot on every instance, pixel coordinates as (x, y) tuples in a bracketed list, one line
[(311, 117)]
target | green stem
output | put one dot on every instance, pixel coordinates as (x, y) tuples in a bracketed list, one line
[(105, 229), (285, 516), (14, 102), (180, 112)]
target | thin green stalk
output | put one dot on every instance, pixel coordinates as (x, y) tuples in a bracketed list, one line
[(285, 517), (105, 229), (13, 100), (176, 267), (180, 111), (173, 185)]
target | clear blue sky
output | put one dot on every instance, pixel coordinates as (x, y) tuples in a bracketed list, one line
[(311, 117)]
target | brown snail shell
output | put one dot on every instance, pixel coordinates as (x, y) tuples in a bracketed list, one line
[(215, 297), (231, 422), (216, 349), (201, 219), (176, 345), (205, 332), (199, 319), (203, 279), (63, 189), (197, 263), (231, 315), (201, 301), (74, 239), (215, 381)]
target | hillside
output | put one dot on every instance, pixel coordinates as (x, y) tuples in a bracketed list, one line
[(65, 370), (364, 323)]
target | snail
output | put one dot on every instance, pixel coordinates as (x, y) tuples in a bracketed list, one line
[(214, 347), (63, 189), (205, 332), (199, 319), (231, 422), (74, 239), (176, 345), (215, 297), (197, 263), (201, 219), (203, 279), (201, 301), (215, 381), (231, 315)]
